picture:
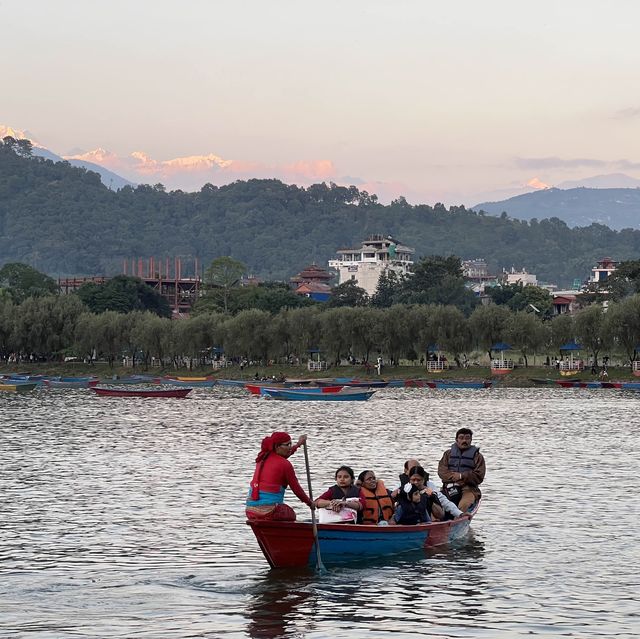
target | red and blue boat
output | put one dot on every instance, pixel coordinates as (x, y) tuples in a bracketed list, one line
[(344, 395), (260, 389), (292, 545)]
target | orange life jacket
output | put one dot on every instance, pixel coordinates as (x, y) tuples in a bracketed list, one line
[(378, 502)]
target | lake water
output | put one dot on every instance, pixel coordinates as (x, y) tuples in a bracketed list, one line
[(125, 517)]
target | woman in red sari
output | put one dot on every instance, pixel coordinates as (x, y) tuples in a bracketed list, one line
[(273, 474)]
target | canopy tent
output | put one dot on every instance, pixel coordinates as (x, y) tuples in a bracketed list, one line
[(570, 346), (501, 346)]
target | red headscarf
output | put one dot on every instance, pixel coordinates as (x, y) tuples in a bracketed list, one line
[(266, 448), (269, 444)]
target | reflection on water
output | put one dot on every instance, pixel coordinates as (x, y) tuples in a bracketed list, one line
[(124, 518)]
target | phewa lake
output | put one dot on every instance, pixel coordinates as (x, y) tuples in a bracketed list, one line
[(125, 518)]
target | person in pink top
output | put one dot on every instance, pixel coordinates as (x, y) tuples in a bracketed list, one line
[(272, 475)]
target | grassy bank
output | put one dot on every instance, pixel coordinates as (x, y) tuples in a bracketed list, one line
[(519, 377)]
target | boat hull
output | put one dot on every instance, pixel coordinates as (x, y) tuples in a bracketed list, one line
[(131, 392), (292, 545), (341, 396), (18, 387)]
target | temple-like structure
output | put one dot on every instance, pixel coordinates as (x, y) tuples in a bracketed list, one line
[(366, 264), (313, 282)]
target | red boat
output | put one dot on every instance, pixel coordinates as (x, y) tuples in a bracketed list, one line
[(142, 392), (291, 544)]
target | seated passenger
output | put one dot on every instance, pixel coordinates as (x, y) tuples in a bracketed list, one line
[(404, 476), (336, 497), (412, 509), (378, 503), (437, 503)]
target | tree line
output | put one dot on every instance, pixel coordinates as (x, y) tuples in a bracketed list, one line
[(52, 326)]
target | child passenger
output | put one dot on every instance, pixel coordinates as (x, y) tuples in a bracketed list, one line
[(411, 508)]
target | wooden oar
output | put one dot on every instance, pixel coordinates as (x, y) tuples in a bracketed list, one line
[(319, 565)]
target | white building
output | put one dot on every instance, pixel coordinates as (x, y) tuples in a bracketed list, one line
[(600, 273), (519, 277), (377, 254)]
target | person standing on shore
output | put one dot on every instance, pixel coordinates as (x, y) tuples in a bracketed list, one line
[(272, 475), (462, 470)]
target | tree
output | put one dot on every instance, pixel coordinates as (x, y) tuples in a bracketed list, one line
[(388, 289), (224, 273), (526, 333), (562, 331), (589, 328), (23, 281), (452, 331), (622, 323), (123, 294), (247, 335), (348, 294), (438, 280), (532, 299), (489, 325)]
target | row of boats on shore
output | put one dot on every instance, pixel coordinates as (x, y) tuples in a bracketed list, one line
[(327, 389)]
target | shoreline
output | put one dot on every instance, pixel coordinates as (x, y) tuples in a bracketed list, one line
[(520, 377)]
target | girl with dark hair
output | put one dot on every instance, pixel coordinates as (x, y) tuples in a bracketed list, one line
[(412, 509), (378, 503), (343, 494)]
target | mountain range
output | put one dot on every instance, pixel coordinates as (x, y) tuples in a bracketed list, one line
[(617, 208)]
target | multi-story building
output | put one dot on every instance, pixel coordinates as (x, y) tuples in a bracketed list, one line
[(365, 264), (519, 277)]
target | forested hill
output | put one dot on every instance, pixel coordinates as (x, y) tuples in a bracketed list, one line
[(63, 221)]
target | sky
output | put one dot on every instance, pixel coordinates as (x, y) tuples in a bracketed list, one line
[(454, 102)]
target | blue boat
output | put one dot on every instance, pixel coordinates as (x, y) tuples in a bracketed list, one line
[(232, 382), (291, 544), (203, 383), (453, 383), (299, 395), (631, 386)]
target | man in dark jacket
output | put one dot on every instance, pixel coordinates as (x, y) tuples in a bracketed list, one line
[(462, 470)]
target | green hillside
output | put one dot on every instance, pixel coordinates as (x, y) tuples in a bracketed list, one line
[(63, 221)]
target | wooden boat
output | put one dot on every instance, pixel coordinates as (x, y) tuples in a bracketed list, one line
[(299, 395), (133, 379), (542, 381), (291, 544), (141, 392), (72, 382), (259, 389), (177, 381), (367, 383), (232, 382), (631, 386), (192, 379), (18, 387), (446, 383)]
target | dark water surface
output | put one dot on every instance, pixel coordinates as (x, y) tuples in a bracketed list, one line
[(125, 518)]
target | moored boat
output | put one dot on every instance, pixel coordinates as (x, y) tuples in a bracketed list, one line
[(458, 383), (72, 382), (177, 381), (298, 395), (291, 544), (141, 392), (259, 389), (17, 387)]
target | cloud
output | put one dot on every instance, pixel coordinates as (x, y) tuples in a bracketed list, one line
[(630, 113), (551, 163)]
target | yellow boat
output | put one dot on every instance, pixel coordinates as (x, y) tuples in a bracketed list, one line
[(17, 388), (192, 379)]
